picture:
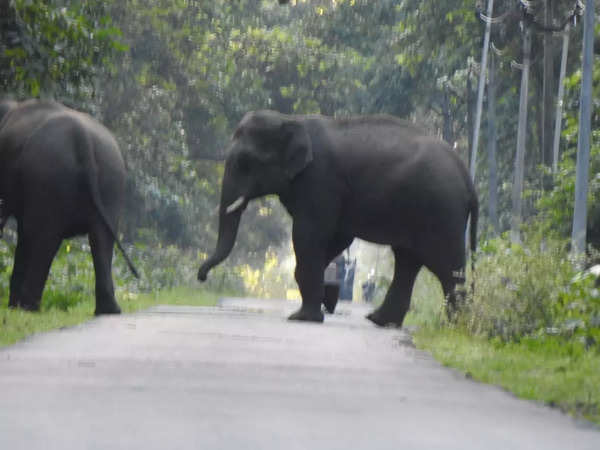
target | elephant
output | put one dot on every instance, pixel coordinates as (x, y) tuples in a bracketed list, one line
[(61, 175), (377, 178)]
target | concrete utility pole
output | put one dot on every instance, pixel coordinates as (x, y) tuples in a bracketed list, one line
[(491, 144), (578, 236), (547, 87), (515, 228), (559, 100), (481, 87)]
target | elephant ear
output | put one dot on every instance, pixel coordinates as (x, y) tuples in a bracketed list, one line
[(297, 152)]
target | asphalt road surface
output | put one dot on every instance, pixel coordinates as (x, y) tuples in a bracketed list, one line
[(241, 377)]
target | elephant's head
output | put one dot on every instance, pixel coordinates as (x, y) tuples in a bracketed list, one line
[(268, 150)]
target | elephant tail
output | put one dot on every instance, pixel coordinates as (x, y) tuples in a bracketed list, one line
[(85, 148)]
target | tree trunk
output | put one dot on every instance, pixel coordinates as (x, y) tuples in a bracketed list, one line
[(559, 101), (447, 133), (515, 229)]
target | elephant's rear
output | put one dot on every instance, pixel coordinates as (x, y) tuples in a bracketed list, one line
[(66, 177), (56, 159), (101, 159)]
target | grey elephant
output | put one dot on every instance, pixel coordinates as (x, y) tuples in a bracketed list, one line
[(374, 177), (61, 175)]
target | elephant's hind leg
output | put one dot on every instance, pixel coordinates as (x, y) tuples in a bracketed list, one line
[(102, 246), (449, 268), (397, 300), (454, 294), (34, 255), (16, 279)]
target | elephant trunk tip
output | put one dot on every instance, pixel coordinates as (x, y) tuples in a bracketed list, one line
[(203, 273)]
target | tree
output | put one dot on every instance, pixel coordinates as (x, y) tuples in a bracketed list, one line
[(55, 51)]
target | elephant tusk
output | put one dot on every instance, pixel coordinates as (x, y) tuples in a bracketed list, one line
[(235, 205)]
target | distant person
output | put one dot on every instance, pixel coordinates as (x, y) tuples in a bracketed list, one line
[(368, 290)]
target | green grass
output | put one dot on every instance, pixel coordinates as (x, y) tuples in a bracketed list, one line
[(181, 295), (550, 371), (16, 324)]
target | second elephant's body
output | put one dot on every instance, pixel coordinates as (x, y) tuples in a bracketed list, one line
[(374, 177)]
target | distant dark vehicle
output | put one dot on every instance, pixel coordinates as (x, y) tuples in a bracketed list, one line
[(339, 282), (368, 291), (332, 288)]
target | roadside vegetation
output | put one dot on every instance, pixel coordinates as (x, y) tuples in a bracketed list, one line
[(531, 327), (166, 278), (17, 324), (532, 324)]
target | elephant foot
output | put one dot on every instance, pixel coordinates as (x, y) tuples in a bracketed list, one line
[(332, 292), (16, 302), (13, 302), (109, 309), (33, 307), (307, 315), (383, 320)]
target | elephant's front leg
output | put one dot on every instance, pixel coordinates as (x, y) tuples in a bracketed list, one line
[(18, 273), (310, 265), (309, 276)]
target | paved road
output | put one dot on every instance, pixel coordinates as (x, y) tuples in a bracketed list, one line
[(240, 377)]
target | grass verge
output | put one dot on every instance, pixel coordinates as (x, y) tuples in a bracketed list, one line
[(548, 369), (16, 324), (558, 374)]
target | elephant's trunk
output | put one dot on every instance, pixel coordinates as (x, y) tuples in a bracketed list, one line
[(230, 212)]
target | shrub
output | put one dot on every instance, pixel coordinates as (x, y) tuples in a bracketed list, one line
[(532, 290), (427, 307), (577, 311), (516, 287)]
